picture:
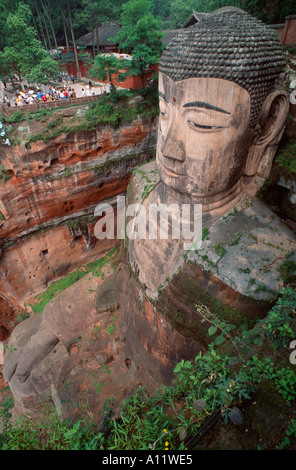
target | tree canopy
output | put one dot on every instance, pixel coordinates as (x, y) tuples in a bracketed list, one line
[(23, 53), (30, 28), (140, 35)]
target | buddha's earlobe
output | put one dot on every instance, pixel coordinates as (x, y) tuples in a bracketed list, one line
[(268, 132)]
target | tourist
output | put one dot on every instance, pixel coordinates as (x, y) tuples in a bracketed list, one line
[(39, 95)]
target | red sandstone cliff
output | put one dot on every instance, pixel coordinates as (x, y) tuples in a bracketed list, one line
[(48, 203)]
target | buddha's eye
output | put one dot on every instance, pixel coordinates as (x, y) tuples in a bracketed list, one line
[(200, 126), (163, 109)]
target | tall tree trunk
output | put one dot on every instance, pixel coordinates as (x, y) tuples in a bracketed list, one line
[(45, 25), (66, 36), (74, 43), (97, 38), (42, 28), (35, 26), (93, 39), (46, 10), (70, 26)]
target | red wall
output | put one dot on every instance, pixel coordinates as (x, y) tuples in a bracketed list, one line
[(71, 69), (289, 33), (134, 82)]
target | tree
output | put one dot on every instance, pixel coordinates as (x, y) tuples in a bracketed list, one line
[(105, 66), (161, 8), (269, 11), (43, 72), (96, 13), (6, 7), (67, 16), (23, 51), (140, 36)]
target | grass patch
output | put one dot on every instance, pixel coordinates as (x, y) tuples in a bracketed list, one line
[(59, 286), (4, 174), (285, 160), (288, 271)]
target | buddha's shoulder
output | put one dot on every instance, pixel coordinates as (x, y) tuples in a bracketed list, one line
[(249, 249)]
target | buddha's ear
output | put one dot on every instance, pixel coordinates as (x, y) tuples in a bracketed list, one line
[(269, 129)]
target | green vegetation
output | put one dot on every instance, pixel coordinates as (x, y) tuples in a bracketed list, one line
[(205, 233), (213, 381), (112, 109), (4, 174), (290, 432), (29, 28), (219, 250), (41, 115), (23, 54), (286, 159), (236, 240), (277, 325), (288, 271), (16, 117), (94, 267), (140, 35)]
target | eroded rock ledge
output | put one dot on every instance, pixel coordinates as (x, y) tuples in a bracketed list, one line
[(48, 200)]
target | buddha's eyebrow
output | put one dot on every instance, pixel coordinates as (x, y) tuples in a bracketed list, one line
[(162, 96), (201, 104)]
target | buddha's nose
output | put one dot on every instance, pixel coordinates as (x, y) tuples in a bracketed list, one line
[(173, 145)]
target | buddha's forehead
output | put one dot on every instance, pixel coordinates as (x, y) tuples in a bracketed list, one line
[(213, 92)]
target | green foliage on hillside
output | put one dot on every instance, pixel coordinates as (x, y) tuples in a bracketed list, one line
[(210, 383)]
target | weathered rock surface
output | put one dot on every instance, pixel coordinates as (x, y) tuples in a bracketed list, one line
[(47, 206), (77, 351), (68, 174)]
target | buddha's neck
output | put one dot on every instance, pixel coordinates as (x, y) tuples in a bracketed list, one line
[(212, 206)]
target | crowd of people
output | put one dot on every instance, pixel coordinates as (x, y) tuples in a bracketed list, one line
[(31, 96)]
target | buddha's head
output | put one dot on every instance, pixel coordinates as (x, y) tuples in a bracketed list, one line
[(219, 107)]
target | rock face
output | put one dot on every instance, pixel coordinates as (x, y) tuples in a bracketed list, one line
[(77, 358), (47, 199)]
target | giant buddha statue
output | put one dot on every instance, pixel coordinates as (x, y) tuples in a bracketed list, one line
[(222, 114)]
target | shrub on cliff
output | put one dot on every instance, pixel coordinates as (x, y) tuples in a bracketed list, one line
[(113, 109), (204, 387)]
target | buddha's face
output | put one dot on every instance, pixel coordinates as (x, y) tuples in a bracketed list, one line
[(204, 135)]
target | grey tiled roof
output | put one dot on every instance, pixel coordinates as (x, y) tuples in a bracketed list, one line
[(105, 33)]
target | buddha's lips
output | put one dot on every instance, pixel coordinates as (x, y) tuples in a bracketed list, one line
[(171, 173)]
